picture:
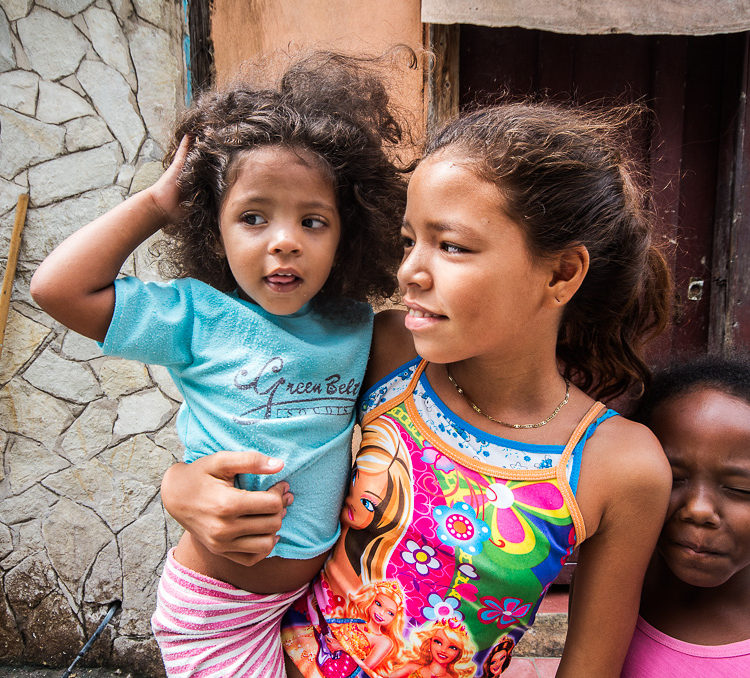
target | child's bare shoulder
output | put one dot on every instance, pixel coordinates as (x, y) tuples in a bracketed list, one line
[(392, 345), (622, 461), (630, 451)]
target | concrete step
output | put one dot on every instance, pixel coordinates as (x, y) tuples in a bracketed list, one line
[(547, 637)]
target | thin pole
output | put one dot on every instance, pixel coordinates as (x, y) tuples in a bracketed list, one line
[(113, 607), (10, 269)]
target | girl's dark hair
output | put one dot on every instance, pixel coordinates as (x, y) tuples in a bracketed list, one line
[(329, 105), (730, 375), (566, 180)]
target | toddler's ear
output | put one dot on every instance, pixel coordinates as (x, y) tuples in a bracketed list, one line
[(568, 271)]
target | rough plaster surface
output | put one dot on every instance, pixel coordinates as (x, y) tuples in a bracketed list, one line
[(88, 90), (641, 17)]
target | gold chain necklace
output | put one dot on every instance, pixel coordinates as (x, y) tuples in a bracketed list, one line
[(563, 402)]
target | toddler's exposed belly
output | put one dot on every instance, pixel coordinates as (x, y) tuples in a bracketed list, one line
[(271, 575)]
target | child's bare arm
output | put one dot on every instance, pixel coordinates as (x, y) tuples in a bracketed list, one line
[(628, 461), (74, 284)]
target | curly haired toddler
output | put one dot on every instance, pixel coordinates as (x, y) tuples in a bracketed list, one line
[(282, 206)]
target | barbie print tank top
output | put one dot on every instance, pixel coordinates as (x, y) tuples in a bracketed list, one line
[(450, 539)]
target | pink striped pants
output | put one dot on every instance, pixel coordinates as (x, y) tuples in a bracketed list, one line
[(206, 627)]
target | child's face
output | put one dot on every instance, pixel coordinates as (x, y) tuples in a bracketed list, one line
[(467, 276), (280, 228), (706, 436)]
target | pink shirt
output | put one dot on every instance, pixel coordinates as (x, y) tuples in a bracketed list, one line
[(653, 654)]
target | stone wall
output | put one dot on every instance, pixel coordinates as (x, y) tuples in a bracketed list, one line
[(88, 92)]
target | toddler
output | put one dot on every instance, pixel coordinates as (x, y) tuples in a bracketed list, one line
[(283, 208)]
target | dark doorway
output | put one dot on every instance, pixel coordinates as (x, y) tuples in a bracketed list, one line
[(692, 86)]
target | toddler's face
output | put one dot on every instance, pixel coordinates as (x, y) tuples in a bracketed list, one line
[(706, 536), (280, 228)]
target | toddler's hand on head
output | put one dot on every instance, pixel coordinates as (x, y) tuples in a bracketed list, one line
[(165, 191)]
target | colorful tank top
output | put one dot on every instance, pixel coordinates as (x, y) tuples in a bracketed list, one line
[(450, 539)]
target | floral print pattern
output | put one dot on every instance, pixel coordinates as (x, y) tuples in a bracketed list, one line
[(459, 526), (482, 531), (422, 557), (480, 548), (439, 608), (502, 612), (431, 456)]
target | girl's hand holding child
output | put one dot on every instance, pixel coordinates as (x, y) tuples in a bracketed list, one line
[(230, 522)]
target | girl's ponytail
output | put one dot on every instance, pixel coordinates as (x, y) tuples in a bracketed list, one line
[(604, 353)]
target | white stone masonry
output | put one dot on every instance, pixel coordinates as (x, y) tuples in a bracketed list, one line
[(89, 90)]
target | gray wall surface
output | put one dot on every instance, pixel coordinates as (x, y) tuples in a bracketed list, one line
[(88, 92)]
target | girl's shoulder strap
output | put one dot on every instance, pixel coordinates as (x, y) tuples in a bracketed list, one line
[(591, 416), (397, 399)]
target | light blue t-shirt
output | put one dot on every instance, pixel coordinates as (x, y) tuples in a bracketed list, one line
[(282, 385)]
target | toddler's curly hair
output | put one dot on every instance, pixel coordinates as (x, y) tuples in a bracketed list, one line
[(330, 105)]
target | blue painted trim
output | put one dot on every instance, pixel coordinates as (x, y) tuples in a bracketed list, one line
[(186, 50)]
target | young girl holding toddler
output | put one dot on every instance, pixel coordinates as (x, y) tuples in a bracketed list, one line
[(695, 608), (530, 281), (283, 207)]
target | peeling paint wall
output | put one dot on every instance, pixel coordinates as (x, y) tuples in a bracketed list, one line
[(242, 30), (88, 92)]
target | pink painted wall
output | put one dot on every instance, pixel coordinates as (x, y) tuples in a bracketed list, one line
[(249, 29)]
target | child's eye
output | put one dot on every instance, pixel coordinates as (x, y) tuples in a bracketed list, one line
[(407, 242), (253, 219), (678, 475), (451, 248), (314, 223), (740, 491)]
